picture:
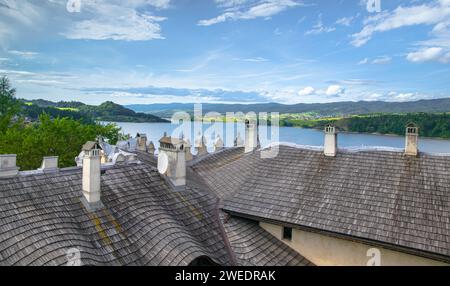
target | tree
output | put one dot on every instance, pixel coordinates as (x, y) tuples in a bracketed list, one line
[(61, 137), (9, 106), (57, 136)]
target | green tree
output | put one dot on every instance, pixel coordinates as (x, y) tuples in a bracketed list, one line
[(50, 135), (61, 137), (9, 106)]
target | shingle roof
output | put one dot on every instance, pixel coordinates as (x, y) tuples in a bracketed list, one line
[(253, 246), (143, 223), (224, 172), (378, 196)]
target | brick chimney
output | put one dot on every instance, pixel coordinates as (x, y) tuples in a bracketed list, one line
[(172, 160), (49, 164), (91, 176), (412, 140), (8, 166), (330, 143), (251, 136)]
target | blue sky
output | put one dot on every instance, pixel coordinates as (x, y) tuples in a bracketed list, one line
[(287, 51)]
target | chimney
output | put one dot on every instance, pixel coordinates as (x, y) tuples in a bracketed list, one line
[(49, 164), (187, 149), (251, 136), (200, 145), (330, 146), (172, 160), (91, 176), (412, 140), (151, 148), (8, 166), (238, 142), (218, 143), (141, 142)]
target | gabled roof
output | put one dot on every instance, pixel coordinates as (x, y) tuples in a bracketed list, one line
[(381, 197)]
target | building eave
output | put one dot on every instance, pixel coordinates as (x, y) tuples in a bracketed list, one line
[(390, 246)]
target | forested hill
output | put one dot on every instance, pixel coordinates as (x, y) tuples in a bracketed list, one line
[(430, 124), (321, 109), (107, 111)]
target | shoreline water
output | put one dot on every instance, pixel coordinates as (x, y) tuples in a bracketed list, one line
[(318, 129), (297, 135)]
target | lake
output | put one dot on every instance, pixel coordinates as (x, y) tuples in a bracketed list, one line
[(295, 135)]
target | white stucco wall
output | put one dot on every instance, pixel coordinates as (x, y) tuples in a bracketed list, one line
[(325, 250)]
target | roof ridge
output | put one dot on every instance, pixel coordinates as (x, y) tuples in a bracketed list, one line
[(352, 149)]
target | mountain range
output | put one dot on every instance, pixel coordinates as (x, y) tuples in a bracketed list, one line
[(321, 109)]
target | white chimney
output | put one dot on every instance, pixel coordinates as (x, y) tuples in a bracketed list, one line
[(151, 148), (172, 160), (238, 142), (251, 136), (187, 149), (330, 144), (91, 176), (200, 145), (141, 142), (218, 144), (49, 164), (8, 166), (412, 140)]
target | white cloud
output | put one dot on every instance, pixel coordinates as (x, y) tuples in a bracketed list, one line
[(345, 21), (425, 14), (162, 4), (16, 14), (319, 28), (382, 60), (259, 9), (16, 72), (118, 20), (377, 61), (428, 55), (230, 3), (39, 81), (254, 60), (374, 97), (403, 96), (363, 61), (24, 54), (335, 90), (306, 91)]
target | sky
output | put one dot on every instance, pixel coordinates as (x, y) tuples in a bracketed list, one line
[(226, 51)]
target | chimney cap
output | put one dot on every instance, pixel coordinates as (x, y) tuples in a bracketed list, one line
[(49, 163), (91, 145), (8, 165), (412, 128), (330, 128), (170, 140)]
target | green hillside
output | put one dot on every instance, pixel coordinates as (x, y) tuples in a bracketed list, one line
[(107, 111)]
